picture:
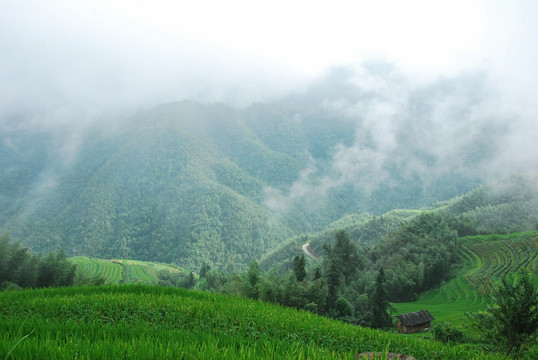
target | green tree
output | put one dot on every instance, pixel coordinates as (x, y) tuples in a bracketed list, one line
[(380, 305), (192, 281), (252, 280), (47, 271), (4, 256), (204, 269), (299, 268), (346, 255), (316, 293), (65, 270), (511, 324), (317, 274), (55, 270), (292, 293), (333, 283), (343, 309), (447, 334)]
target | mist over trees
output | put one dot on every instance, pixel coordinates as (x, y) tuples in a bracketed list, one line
[(187, 182)]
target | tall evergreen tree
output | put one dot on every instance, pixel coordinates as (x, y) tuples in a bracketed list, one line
[(191, 282), (299, 268), (204, 269), (380, 305), (333, 283), (317, 274), (345, 254), (252, 280)]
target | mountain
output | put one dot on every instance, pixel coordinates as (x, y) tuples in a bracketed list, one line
[(189, 183)]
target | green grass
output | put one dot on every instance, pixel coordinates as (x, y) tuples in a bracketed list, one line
[(152, 322), (122, 271), (449, 302)]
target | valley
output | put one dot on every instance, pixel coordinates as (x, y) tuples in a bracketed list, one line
[(268, 202)]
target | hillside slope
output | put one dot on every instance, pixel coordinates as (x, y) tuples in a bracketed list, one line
[(486, 259), (154, 322), (187, 182)]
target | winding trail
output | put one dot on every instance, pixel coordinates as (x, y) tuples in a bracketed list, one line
[(307, 252)]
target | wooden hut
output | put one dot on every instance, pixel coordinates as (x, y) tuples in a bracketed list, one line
[(414, 322)]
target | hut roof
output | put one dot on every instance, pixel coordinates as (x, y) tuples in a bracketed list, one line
[(415, 318)]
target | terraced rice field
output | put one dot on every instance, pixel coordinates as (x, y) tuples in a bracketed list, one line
[(109, 270), (122, 271), (494, 257), (487, 260), (449, 302)]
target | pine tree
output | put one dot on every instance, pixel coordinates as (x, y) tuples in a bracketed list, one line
[(252, 280), (345, 254), (299, 268), (333, 283), (204, 269), (380, 305), (191, 281), (317, 274)]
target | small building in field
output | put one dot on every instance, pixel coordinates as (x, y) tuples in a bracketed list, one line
[(414, 322)]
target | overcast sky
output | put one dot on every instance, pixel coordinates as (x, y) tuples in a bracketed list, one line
[(98, 54)]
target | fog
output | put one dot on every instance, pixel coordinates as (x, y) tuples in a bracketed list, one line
[(69, 62), (461, 75)]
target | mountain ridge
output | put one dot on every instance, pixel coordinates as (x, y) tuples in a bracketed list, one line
[(187, 182)]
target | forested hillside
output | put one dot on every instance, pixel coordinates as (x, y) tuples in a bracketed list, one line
[(189, 183)]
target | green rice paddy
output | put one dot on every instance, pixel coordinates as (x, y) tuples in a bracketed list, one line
[(122, 271), (153, 322), (487, 259)]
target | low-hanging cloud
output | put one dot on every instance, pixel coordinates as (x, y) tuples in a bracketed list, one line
[(64, 62), (406, 130)]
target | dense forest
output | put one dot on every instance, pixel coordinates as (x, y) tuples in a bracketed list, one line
[(348, 282), (190, 183)]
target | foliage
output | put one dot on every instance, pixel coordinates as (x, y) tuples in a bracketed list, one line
[(345, 255), (188, 183), (417, 256), (380, 305), (506, 206), (19, 268), (152, 322), (299, 267), (511, 324), (447, 334)]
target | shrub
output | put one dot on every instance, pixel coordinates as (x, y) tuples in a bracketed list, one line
[(447, 334)]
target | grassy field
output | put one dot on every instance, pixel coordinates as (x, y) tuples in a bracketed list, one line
[(122, 271), (153, 322), (487, 259)]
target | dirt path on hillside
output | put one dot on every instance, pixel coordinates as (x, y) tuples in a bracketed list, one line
[(307, 252)]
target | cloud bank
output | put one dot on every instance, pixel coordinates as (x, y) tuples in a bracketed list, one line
[(404, 130), (65, 62)]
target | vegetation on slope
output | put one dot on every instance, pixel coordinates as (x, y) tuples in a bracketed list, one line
[(21, 269), (121, 271), (135, 321), (486, 261), (185, 182), (365, 230)]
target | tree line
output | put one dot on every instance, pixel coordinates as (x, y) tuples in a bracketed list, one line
[(348, 282), (21, 269)]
